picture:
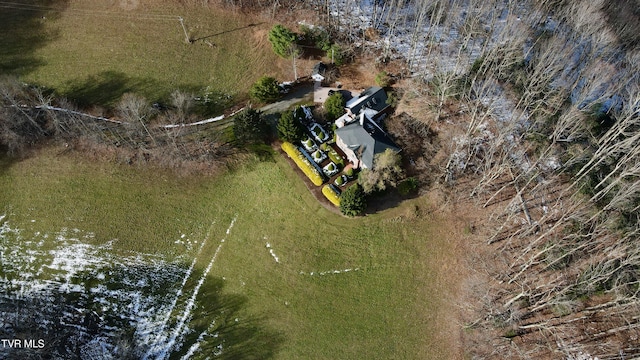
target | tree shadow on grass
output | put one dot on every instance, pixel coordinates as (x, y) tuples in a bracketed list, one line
[(105, 317), (5, 161), (205, 37), (23, 32), (389, 199), (106, 88), (229, 332)]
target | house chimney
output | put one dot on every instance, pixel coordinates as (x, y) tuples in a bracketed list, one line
[(362, 118)]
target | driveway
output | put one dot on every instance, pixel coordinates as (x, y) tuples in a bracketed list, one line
[(301, 92)]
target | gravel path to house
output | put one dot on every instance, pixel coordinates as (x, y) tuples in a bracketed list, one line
[(301, 92)]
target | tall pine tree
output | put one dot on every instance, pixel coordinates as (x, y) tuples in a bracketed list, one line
[(289, 128), (282, 40)]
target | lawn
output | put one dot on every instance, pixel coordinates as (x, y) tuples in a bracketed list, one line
[(94, 51), (364, 288)]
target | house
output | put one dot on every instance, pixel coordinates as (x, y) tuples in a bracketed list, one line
[(362, 140), (359, 133)]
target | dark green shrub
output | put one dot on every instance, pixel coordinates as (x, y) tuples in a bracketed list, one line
[(392, 99), (511, 333), (289, 129), (353, 201), (382, 79), (476, 66), (334, 106), (265, 89), (249, 126), (407, 186)]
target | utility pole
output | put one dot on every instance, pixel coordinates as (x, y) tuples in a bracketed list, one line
[(184, 28), (295, 71)]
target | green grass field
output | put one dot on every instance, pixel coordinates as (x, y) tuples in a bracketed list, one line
[(393, 307), (93, 52)]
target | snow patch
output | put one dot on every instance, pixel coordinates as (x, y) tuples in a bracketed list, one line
[(92, 293), (163, 346), (273, 254), (330, 272)]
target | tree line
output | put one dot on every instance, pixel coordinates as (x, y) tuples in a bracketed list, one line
[(31, 117), (548, 96)]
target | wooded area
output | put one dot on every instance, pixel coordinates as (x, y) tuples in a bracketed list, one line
[(540, 101)]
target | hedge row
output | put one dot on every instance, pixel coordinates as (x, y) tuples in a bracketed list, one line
[(302, 163), (330, 193), (333, 155)]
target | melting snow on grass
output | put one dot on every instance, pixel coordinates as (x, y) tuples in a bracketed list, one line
[(90, 297), (165, 342), (273, 254), (330, 272)]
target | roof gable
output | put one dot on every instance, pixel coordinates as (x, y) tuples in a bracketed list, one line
[(365, 140)]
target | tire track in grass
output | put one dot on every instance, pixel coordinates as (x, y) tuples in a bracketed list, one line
[(196, 346), (165, 321), (163, 346)]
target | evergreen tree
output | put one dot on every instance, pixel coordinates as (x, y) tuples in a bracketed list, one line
[(265, 89), (334, 106), (289, 128), (352, 201), (249, 126), (282, 40), (336, 54)]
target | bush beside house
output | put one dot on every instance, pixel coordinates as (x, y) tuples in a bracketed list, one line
[(334, 106)]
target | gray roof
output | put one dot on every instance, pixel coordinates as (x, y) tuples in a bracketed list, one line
[(373, 97), (366, 141)]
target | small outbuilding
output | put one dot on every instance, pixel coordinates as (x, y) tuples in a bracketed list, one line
[(319, 72)]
